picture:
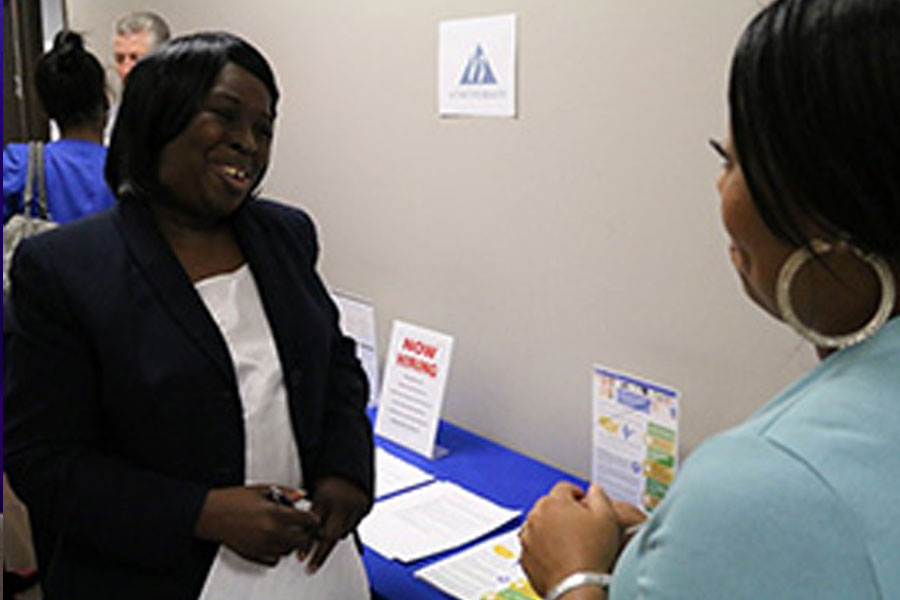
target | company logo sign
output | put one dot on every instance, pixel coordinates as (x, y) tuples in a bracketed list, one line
[(477, 66), (478, 81), (478, 70)]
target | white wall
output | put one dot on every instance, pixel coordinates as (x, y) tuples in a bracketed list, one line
[(586, 230)]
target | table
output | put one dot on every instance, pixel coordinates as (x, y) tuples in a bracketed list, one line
[(500, 474)]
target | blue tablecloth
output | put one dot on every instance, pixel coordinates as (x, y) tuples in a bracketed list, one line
[(502, 475)]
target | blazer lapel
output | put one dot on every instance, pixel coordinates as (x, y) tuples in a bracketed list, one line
[(173, 288)]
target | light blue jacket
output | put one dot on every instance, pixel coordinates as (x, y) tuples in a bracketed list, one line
[(800, 501)]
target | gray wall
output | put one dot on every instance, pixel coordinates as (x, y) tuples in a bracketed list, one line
[(586, 230)]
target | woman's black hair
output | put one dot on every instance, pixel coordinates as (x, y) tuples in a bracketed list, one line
[(815, 113), (70, 82), (162, 94)]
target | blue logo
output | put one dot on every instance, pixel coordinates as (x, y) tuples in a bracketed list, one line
[(633, 400), (478, 70)]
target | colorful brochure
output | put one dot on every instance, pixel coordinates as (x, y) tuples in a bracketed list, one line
[(635, 437), (488, 571)]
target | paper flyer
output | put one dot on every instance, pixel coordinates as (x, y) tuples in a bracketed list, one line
[(415, 375), (488, 571), (635, 437)]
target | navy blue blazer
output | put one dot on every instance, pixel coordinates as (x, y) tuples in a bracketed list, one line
[(121, 402)]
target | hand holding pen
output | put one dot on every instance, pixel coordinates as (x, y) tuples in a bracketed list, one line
[(293, 498), (297, 500), (254, 523)]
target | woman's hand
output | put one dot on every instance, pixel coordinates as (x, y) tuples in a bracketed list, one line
[(249, 522), (629, 517), (339, 505), (566, 531)]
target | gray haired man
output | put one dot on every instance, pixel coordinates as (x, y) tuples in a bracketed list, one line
[(135, 35)]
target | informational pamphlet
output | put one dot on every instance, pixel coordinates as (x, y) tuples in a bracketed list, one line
[(415, 375), (635, 437), (358, 322), (488, 571)]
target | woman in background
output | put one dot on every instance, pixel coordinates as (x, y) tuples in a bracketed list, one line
[(71, 87), (177, 375), (803, 499)]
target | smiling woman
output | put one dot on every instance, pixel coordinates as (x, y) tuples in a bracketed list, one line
[(209, 167), (208, 170), (198, 362)]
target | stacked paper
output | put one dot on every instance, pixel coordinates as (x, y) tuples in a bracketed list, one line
[(431, 519), (393, 474)]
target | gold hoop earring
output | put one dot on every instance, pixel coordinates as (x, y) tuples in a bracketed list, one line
[(783, 296)]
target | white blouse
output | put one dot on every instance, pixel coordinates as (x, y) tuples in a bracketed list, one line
[(271, 454)]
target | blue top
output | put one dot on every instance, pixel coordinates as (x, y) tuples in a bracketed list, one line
[(74, 179), (800, 501)]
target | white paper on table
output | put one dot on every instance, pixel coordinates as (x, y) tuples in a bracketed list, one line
[(358, 322), (430, 519), (489, 570), (393, 474), (415, 376)]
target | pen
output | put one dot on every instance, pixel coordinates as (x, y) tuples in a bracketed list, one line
[(276, 495)]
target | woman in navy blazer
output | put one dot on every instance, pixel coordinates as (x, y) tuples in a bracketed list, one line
[(124, 429)]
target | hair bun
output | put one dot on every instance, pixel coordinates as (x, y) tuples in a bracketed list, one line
[(70, 80), (68, 41), (68, 47)]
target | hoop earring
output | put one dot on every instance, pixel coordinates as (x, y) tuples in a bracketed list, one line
[(783, 295)]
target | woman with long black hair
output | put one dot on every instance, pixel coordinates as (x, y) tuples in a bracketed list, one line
[(803, 499)]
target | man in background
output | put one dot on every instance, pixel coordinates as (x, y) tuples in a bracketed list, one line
[(134, 35)]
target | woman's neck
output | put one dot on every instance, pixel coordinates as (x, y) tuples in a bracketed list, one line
[(88, 133), (824, 353), (202, 249)]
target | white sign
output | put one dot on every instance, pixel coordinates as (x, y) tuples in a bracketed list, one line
[(477, 66), (358, 322), (635, 431), (415, 375)]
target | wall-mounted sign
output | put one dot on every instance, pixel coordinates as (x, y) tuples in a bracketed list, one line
[(477, 66)]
